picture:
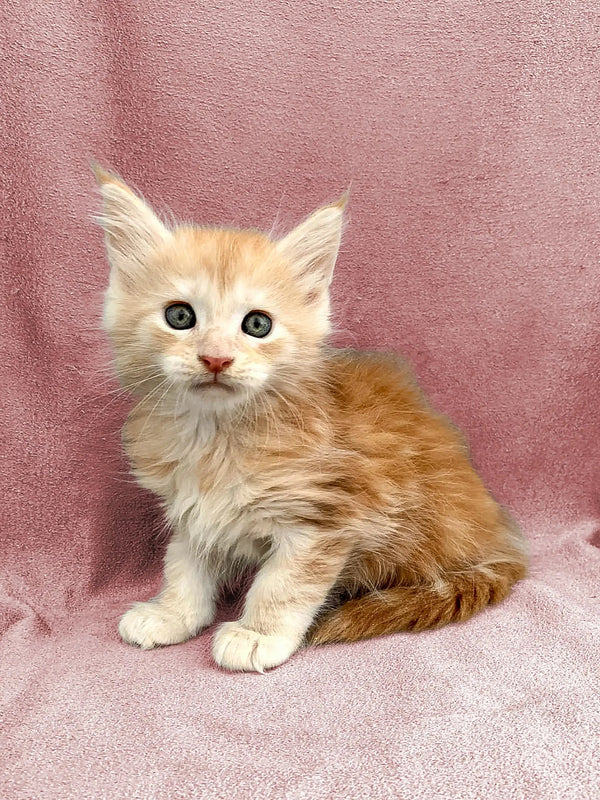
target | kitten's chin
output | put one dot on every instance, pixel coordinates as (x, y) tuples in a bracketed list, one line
[(213, 396)]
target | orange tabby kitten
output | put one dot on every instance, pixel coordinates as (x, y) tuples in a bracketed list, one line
[(324, 468)]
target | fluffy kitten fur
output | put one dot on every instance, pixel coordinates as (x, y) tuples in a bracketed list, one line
[(324, 468)]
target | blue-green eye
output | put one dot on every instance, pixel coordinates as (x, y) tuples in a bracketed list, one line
[(257, 323), (180, 316)]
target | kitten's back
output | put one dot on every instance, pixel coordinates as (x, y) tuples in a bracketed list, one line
[(442, 548)]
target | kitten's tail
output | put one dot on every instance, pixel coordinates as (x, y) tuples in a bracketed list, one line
[(415, 608)]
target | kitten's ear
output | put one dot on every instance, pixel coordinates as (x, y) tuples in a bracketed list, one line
[(133, 231), (312, 247)]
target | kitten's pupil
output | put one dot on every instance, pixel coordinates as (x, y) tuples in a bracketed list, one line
[(257, 324), (180, 316)]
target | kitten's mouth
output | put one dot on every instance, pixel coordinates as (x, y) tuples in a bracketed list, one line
[(203, 386)]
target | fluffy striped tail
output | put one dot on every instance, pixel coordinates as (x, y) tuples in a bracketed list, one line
[(415, 608)]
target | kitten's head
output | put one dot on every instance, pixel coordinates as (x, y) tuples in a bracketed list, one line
[(213, 315)]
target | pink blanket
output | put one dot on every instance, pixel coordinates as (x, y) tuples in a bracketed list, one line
[(469, 133)]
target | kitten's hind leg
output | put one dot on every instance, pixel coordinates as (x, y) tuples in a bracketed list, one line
[(185, 605)]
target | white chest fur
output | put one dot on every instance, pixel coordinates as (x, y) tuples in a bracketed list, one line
[(206, 492)]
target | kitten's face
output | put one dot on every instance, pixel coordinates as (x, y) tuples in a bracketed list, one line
[(212, 316)]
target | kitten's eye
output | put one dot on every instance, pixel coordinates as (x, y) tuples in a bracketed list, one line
[(180, 316), (257, 323)]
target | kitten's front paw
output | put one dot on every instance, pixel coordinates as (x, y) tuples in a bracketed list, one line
[(150, 625), (238, 648)]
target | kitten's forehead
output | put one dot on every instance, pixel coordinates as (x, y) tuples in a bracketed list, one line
[(222, 260)]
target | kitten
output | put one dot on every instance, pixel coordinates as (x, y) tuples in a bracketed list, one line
[(324, 468)]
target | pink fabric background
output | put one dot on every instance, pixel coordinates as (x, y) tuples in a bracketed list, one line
[(469, 133)]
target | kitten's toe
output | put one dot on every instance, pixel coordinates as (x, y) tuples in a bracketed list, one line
[(238, 648), (151, 625)]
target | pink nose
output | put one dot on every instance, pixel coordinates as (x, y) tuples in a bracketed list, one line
[(215, 364)]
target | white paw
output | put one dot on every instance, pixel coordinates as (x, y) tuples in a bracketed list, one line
[(238, 648), (150, 625)]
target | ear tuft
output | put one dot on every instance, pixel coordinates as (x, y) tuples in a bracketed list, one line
[(133, 231), (312, 247), (343, 201), (102, 175)]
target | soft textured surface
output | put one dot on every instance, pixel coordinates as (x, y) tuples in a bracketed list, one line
[(469, 134)]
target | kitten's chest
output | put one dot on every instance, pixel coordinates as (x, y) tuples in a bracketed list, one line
[(230, 490), (209, 494), (207, 489)]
